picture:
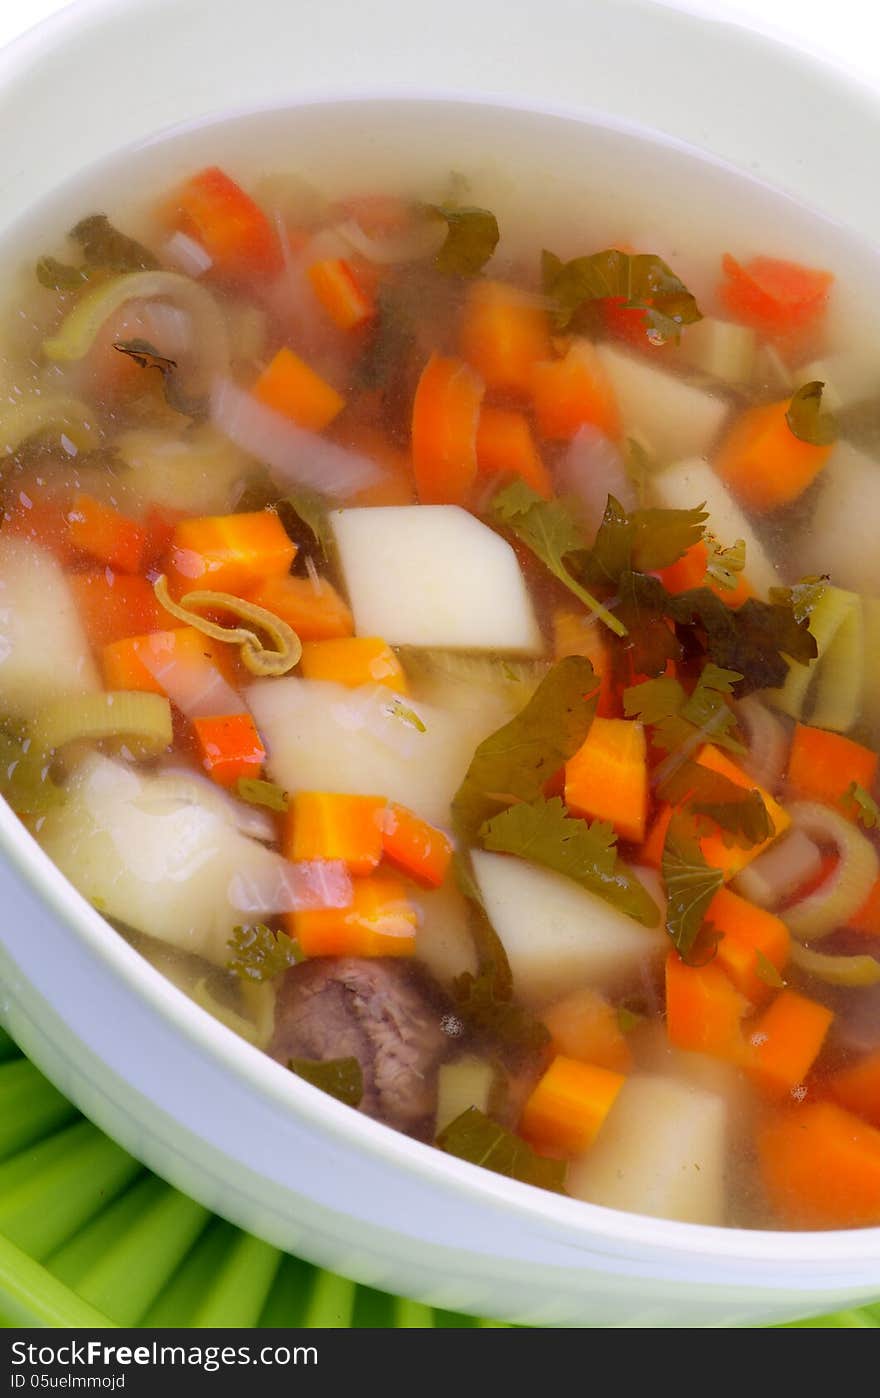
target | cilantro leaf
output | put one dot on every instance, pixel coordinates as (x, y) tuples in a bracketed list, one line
[(471, 239), (261, 793), (806, 419), (651, 642), (259, 954), (146, 356), (304, 514), (643, 542), (342, 1078), (474, 1137), (690, 884), (757, 639), (704, 716), (487, 1008), (739, 811), (652, 701), (724, 565), (548, 529), (643, 280), (858, 802), (542, 831), (104, 246), (802, 597), (514, 763)]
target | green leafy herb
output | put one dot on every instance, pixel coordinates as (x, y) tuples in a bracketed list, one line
[(474, 1137), (738, 811), (641, 280), (486, 1007), (638, 464), (802, 597), (548, 529), (542, 832), (641, 604), (398, 709), (725, 565), (104, 246), (261, 793), (470, 242), (259, 954), (60, 276), (806, 418), (652, 701), (305, 517), (514, 763), (690, 884), (391, 341), (643, 542), (682, 721), (758, 639), (148, 357), (766, 971), (341, 1078), (860, 803)]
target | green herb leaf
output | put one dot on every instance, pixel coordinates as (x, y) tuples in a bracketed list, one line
[(148, 357), (690, 884), (60, 276), (628, 1020), (341, 1078), (725, 565), (305, 517), (104, 246), (406, 714), (652, 701), (757, 639), (802, 597), (638, 464), (766, 971), (641, 605), (262, 793), (858, 802), (474, 1137), (259, 954), (642, 280), (514, 763), (807, 420), (548, 529), (738, 811), (703, 717), (643, 542), (485, 1007), (470, 242), (542, 832)]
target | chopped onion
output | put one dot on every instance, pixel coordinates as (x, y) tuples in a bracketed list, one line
[(423, 240), (295, 457), (187, 255), (591, 470), (774, 876), (286, 887), (768, 743), (845, 891)]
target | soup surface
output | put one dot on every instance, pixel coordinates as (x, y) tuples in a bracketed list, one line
[(439, 629)]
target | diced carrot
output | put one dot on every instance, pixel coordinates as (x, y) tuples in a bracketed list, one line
[(607, 778), (40, 515), (160, 523), (106, 535), (569, 393), (115, 605), (312, 606), (290, 387), (584, 1025), (353, 661), (446, 411), (822, 765), (651, 852), (326, 825), (380, 921), (229, 553), (731, 858), (762, 460), (821, 1167), (230, 747), (747, 931), (378, 214), (415, 847), (233, 230), (689, 572), (505, 446), (135, 661), (857, 1087), (867, 919), (704, 1010), (774, 296), (785, 1041), (504, 334), (567, 1108), (577, 633), (340, 293)]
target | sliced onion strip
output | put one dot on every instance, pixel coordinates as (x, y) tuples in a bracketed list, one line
[(287, 887), (845, 891)]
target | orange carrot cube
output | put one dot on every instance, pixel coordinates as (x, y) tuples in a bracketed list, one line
[(504, 334), (566, 1110), (446, 412), (784, 1042), (821, 1167), (704, 1011), (327, 825), (574, 392), (415, 847), (340, 293), (762, 460), (380, 921), (106, 535), (746, 931), (607, 779), (229, 553), (353, 661), (230, 747), (822, 765), (312, 606), (290, 387), (584, 1025), (505, 447), (857, 1087)]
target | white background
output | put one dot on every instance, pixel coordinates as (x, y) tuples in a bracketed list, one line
[(847, 31)]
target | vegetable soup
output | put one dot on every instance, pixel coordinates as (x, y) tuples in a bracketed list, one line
[(442, 636)]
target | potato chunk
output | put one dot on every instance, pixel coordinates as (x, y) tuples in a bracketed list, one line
[(675, 418)]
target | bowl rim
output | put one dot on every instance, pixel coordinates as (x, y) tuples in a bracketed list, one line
[(585, 1223)]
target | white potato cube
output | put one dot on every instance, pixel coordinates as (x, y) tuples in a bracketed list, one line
[(660, 1152), (155, 852), (557, 935), (693, 482), (841, 536), (720, 349), (444, 941), (44, 653), (324, 737), (675, 418), (433, 575)]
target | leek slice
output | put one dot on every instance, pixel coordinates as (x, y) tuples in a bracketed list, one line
[(259, 659), (836, 970), (466, 1082), (720, 349), (833, 608), (840, 681), (835, 902), (141, 720), (53, 415), (79, 329)]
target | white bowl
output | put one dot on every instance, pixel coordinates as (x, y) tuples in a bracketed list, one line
[(204, 1109)]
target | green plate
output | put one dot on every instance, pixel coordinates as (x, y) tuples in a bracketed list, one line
[(89, 1238)]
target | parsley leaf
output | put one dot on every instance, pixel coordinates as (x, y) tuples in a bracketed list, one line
[(690, 884), (304, 514), (802, 597), (342, 1078), (652, 701), (146, 356), (470, 242), (724, 565), (542, 832), (643, 280), (739, 811), (757, 639), (766, 971), (548, 529), (806, 419), (474, 1137), (514, 763), (259, 954), (704, 716), (858, 802), (105, 249), (651, 642), (486, 1007), (643, 542)]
